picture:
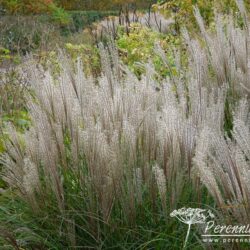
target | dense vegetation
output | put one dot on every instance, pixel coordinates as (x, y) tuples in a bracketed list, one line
[(38, 6), (110, 120)]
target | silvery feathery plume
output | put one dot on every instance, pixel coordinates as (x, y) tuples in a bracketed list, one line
[(161, 183), (31, 177), (138, 182), (191, 216)]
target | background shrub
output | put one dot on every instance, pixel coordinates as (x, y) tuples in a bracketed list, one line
[(25, 34), (182, 10), (138, 47)]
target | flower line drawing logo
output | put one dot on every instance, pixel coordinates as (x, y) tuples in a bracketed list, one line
[(192, 216)]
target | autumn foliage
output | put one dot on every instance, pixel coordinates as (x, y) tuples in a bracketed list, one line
[(103, 4), (26, 6)]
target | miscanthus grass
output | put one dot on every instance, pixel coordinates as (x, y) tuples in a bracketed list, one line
[(106, 160)]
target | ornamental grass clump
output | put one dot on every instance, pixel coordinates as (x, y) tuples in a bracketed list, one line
[(105, 159), (223, 164), (99, 148), (222, 156)]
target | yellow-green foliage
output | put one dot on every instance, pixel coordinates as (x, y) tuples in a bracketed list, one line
[(5, 56), (88, 54), (182, 10), (138, 47), (59, 15)]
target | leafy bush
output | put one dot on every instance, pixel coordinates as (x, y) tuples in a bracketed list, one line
[(12, 6), (138, 47), (26, 6), (25, 34), (182, 10), (59, 15)]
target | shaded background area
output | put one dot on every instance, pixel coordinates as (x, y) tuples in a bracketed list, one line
[(15, 6)]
